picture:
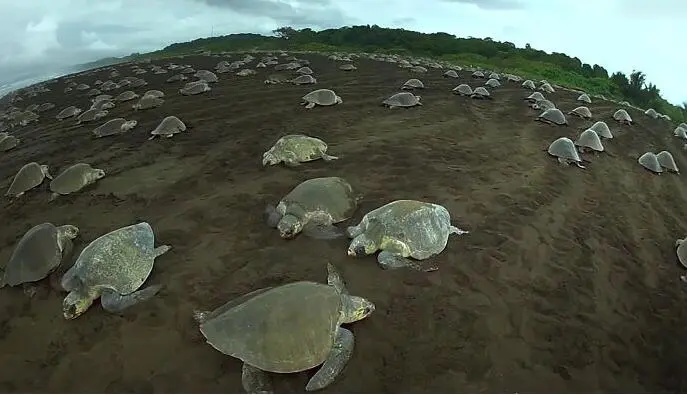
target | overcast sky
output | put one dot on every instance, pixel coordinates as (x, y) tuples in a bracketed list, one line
[(40, 36)]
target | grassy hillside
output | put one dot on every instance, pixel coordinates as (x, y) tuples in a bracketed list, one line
[(504, 56)]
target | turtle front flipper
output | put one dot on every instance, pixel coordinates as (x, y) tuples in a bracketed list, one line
[(390, 260), (273, 216), (327, 157), (115, 303), (322, 231), (341, 352), (255, 381)]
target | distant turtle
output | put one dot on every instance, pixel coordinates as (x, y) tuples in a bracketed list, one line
[(564, 150), (535, 97), (651, 113), (413, 83), (321, 97), (494, 76), (293, 149), (582, 112), (601, 128), (114, 126), (666, 160), (148, 102), (450, 74), (304, 70), (287, 329), (622, 117), (246, 72), (304, 79), (552, 116), (91, 115), (492, 83), (168, 127), (680, 132), (347, 67), (195, 88), (177, 77), (154, 93), (8, 143), (402, 99), (462, 90), (105, 104), (206, 75), (481, 93), (478, 74), (314, 206), (418, 69), (589, 139), (402, 229), (68, 112), (28, 177), (650, 162), (277, 79), (584, 98), (546, 87), (543, 105), (529, 84), (126, 96), (45, 107), (37, 254), (112, 267), (74, 178)]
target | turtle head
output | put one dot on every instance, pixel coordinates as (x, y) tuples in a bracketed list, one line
[(128, 125), (98, 174), (361, 246), (356, 308), (46, 171), (69, 231), (75, 304), (289, 226), (338, 100), (268, 158)]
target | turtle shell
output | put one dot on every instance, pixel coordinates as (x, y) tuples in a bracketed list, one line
[(401, 99), (71, 179), (590, 139), (35, 256), (493, 83), (535, 97), (331, 195), (622, 116), (8, 143), (666, 160), (584, 98), (682, 254), (451, 74), (564, 148), (323, 97), (650, 162), (68, 112), (553, 115), (543, 105), (601, 128), (463, 89), (286, 329), (582, 111), (126, 96), (481, 91), (109, 128), (413, 83), (680, 132), (194, 88), (528, 84), (304, 79), (206, 75), (121, 260), (28, 177), (652, 113), (169, 125), (305, 147)]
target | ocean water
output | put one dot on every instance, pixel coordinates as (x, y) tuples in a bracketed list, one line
[(12, 86)]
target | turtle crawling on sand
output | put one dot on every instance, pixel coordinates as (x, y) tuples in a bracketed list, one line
[(462, 90), (293, 149), (195, 88), (114, 126), (37, 254), (552, 116), (314, 206), (402, 229), (564, 150), (169, 126), (649, 161), (148, 102), (622, 117), (666, 160), (28, 177), (589, 139), (582, 112), (112, 267), (402, 99), (480, 93), (74, 178), (287, 329), (91, 115), (68, 112), (321, 97)]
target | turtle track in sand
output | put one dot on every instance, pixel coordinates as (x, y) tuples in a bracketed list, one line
[(521, 304)]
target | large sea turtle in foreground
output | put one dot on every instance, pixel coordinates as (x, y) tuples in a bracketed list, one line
[(74, 178), (112, 267), (168, 127), (287, 329), (28, 177), (313, 207), (37, 254), (293, 149), (403, 229), (321, 97), (564, 150)]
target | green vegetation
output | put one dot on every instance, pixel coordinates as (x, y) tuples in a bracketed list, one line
[(504, 56)]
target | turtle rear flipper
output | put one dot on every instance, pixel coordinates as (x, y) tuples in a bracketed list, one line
[(272, 215), (328, 157), (390, 260), (322, 231), (255, 381), (341, 352), (115, 303)]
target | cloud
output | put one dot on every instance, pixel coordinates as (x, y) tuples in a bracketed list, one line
[(492, 4)]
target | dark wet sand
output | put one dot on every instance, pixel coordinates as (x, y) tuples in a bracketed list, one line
[(568, 281)]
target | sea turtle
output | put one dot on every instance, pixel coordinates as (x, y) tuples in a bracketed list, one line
[(650, 162), (313, 207), (103, 105), (582, 112), (68, 112), (418, 69), (46, 107), (102, 97), (546, 87), (347, 67), (413, 83), (37, 254), (277, 79), (304, 79), (463, 90), (293, 149), (74, 178), (304, 70), (481, 93), (246, 72), (543, 105), (321, 97), (28, 177), (584, 98), (168, 127), (529, 84), (154, 93), (495, 76), (564, 149), (127, 96), (91, 115), (402, 99), (287, 329), (681, 250), (450, 74), (402, 229), (535, 97), (589, 139), (195, 88), (206, 75), (112, 267), (8, 143), (666, 160), (552, 116), (177, 77), (148, 102), (622, 117), (680, 132), (601, 128), (492, 83), (652, 113), (478, 74), (114, 126)]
